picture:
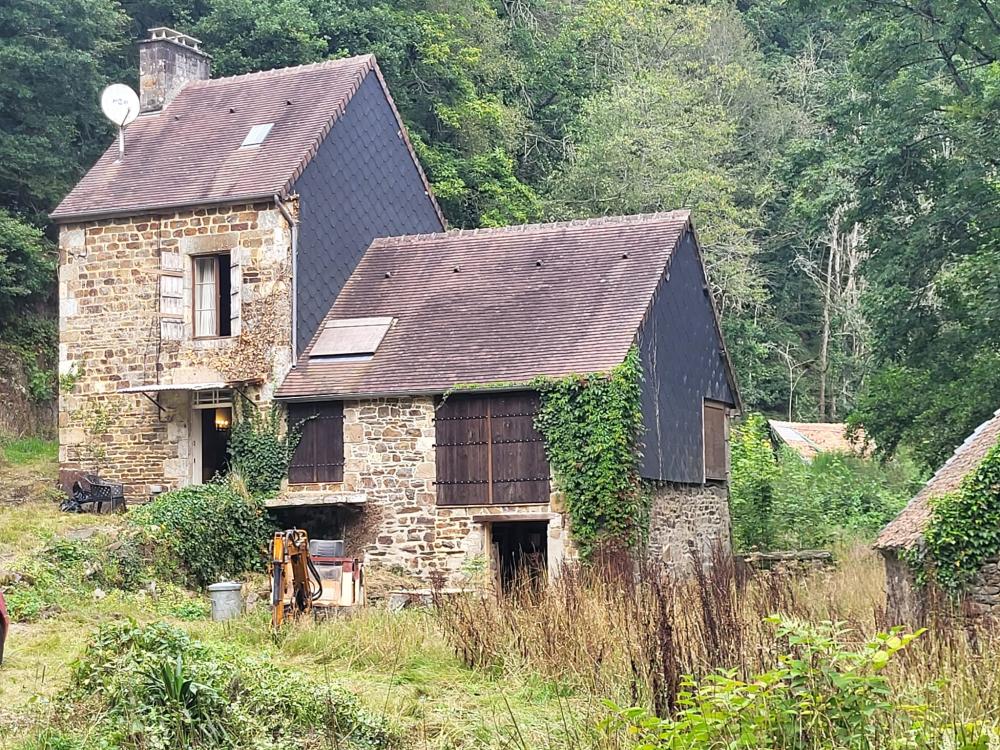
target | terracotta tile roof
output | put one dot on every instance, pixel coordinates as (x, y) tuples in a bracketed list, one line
[(810, 438), (496, 305), (906, 528), (189, 153)]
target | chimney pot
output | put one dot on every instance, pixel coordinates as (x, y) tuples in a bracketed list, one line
[(168, 61)]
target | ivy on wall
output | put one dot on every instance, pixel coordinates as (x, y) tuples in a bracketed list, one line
[(591, 425), (963, 531), (259, 449)]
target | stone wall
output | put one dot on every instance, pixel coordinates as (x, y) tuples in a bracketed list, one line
[(909, 604), (118, 329), (687, 522), (390, 467)]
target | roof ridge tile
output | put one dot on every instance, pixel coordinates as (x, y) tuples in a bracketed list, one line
[(365, 61), (537, 227)]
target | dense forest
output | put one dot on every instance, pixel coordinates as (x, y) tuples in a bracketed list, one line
[(841, 159)]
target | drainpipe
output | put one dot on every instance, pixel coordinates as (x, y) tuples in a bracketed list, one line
[(294, 224)]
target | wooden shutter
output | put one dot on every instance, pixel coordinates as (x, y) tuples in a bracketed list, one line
[(171, 305), (235, 282), (489, 452), (319, 456), (462, 451), (716, 464), (520, 469)]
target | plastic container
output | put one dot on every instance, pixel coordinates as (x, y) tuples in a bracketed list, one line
[(227, 600)]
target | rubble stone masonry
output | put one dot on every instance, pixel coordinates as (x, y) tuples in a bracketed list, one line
[(688, 522), (390, 468), (126, 319)]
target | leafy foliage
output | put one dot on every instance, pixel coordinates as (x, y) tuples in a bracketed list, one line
[(821, 694), (214, 531), (259, 447), (155, 686), (751, 487), (780, 501), (963, 531), (591, 424)]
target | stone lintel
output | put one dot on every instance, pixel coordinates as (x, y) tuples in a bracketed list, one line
[(294, 499)]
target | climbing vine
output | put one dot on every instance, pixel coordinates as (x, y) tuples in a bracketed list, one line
[(591, 426), (963, 531), (259, 449)]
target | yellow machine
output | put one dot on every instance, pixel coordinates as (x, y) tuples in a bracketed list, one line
[(295, 582), (305, 582)]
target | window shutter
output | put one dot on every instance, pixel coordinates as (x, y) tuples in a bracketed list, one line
[(319, 456), (171, 307), (235, 282), (488, 451), (716, 464), (462, 451), (520, 469)]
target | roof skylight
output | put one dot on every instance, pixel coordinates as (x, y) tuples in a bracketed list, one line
[(350, 338), (257, 135)]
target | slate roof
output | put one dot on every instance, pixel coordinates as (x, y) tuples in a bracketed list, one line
[(189, 153), (491, 306), (811, 438), (905, 529)]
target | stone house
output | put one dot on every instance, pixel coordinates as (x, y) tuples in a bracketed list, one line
[(418, 439), (201, 262), (905, 601)]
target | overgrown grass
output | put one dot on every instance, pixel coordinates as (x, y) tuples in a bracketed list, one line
[(602, 633), (30, 450)]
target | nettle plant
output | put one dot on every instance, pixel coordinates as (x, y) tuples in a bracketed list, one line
[(820, 694), (963, 531), (591, 425)]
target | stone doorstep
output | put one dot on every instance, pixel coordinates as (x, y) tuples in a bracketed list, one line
[(294, 499)]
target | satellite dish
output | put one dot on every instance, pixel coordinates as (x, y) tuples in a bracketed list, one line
[(120, 104)]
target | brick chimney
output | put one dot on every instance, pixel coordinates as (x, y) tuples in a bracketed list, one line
[(167, 61)]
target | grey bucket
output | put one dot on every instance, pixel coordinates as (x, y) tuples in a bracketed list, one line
[(227, 600)]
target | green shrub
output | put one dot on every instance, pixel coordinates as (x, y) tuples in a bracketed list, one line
[(214, 531), (780, 501), (52, 580), (821, 694), (591, 426), (751, 489), (154, 686)]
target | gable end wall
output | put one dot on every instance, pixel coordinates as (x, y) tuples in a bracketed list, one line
[(361, 184), (682, 364)]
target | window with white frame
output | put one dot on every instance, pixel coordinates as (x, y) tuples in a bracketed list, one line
[(216, 296)]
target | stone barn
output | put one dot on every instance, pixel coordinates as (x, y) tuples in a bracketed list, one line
[(905, 601), (419, 444)]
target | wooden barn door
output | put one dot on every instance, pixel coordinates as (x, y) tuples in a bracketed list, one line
[(489, 452)]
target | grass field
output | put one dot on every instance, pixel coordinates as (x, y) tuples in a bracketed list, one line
[(534, 671)]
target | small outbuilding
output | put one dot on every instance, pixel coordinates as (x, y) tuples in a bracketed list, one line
[(809, 439), (905, 601)]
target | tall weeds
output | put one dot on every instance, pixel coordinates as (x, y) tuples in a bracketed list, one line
[(631, 635)]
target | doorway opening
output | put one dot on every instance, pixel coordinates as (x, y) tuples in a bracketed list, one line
[(215, 427), (520, 553)]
